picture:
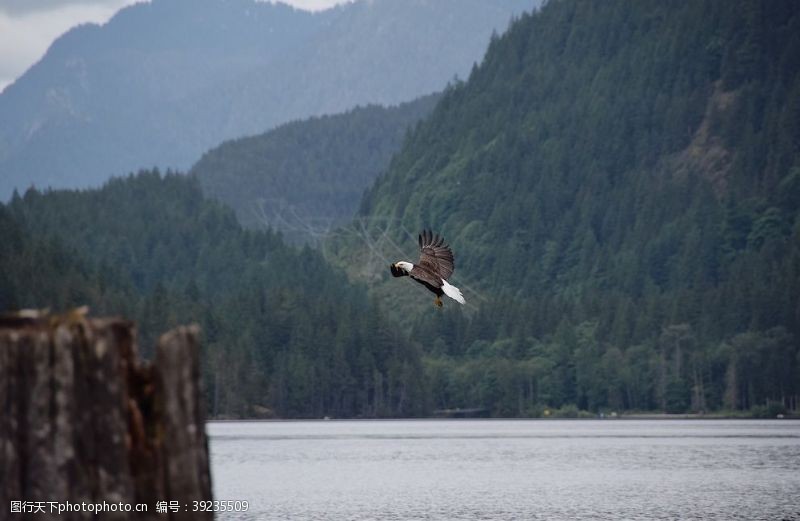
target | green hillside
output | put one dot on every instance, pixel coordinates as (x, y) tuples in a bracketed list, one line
[(620, 182), (307, 176), (284, 332)]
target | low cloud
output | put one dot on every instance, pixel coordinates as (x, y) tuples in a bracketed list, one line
[(24, 38), (15, 8), (314, 5), (28, 27)]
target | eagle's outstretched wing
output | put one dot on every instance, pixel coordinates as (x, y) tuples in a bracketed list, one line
[(434, 255)]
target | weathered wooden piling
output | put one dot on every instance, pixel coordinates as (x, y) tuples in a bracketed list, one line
[(84, 420)]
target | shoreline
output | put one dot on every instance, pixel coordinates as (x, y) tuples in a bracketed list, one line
[(638, 417)]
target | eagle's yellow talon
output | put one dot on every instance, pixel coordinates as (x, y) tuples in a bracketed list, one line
[(438, 302)]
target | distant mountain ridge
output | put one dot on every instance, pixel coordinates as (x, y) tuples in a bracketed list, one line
[(305, 177), (163, 81)]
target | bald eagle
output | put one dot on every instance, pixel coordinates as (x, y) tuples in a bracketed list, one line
[(435, 266)]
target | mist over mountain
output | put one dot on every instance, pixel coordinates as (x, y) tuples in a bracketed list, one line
[(163, 81)]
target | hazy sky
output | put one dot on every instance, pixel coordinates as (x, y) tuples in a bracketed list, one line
[(28, 27)]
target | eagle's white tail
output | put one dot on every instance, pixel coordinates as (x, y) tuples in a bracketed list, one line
[(453, 292)]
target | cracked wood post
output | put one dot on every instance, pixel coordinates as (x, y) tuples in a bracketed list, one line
[(85, 420)]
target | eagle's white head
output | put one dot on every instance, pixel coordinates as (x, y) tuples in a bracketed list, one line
[(405, 266)]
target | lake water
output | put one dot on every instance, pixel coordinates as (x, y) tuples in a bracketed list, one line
[(503, 470)]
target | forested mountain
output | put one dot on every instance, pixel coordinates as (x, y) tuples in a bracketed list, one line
[(305, 177), (620, 182), (283, 331), (165, 80)]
